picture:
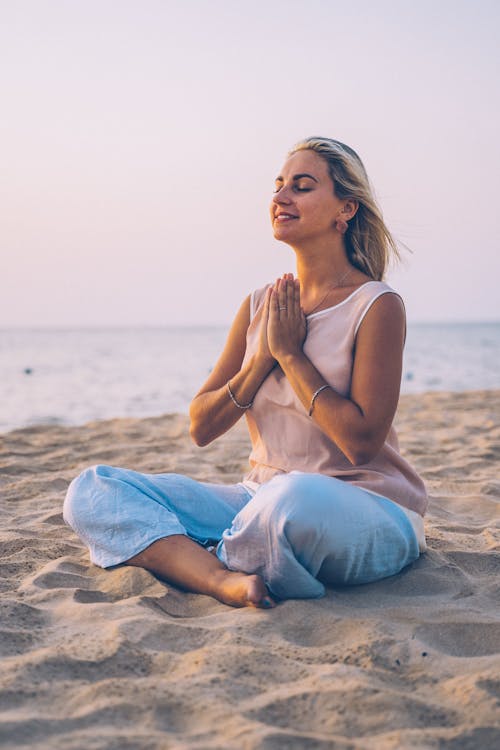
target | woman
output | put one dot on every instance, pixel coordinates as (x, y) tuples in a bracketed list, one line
[(314, 362)]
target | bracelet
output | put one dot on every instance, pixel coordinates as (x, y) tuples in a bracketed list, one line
[(315, 394), (233, 399)]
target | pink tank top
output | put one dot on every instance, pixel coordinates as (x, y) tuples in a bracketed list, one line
[(285, 438)]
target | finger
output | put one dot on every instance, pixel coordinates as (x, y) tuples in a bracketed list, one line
[(283, 296), (273, 305), (296, 289), (290, 297), (267, 299), (275, 291)]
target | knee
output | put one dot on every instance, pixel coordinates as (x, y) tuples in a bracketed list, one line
[(294, 507), (79, 492), (301, 495)]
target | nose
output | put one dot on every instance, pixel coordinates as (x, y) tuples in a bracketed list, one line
[(282, 195)]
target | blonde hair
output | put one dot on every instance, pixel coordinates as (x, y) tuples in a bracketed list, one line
[(369, 243)]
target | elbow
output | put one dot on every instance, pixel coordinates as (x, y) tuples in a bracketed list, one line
[(201, 428), (363, 451), (199, 441), (196, 432), (198, 437), (198, 429), (360, 457)]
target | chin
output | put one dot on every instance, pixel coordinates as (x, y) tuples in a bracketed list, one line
[(282, 233), (281, 238)]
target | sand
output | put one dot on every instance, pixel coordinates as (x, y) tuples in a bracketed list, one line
[(117, 659)]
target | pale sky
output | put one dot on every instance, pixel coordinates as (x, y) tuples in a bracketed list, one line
[(140, 141)]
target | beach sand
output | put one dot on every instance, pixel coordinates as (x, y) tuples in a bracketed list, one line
[(116, 659)]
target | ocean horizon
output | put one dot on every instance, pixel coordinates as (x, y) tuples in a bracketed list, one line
[(74, 375)]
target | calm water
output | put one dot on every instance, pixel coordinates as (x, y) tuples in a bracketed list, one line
[(73, 376)]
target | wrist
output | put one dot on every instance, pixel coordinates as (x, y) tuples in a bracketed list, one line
[(288, 360), (262, 364)]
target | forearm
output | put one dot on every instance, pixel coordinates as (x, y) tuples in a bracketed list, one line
[(341, 419), (212, 413)]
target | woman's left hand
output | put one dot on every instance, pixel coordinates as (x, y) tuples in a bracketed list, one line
[(287, 326)]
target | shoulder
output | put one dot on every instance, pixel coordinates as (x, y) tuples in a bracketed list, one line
[(378, 299), (383, 320), (257, 298), (373, 289)]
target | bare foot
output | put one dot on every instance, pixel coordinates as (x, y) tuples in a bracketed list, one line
[(240, 590)]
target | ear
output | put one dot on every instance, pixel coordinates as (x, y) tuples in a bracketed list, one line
[(351, 205)]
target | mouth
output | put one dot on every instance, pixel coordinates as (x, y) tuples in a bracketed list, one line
[(284, 217)]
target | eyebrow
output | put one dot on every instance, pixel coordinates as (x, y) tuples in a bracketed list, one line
[(298, 177)]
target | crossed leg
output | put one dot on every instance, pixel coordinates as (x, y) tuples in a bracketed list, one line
[(181, 561)]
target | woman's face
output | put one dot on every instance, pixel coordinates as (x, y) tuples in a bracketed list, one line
[(304, 205)]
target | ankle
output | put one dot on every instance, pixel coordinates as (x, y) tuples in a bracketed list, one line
[(217, 579)]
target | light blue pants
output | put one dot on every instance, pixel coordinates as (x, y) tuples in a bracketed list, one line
[(295, 529)]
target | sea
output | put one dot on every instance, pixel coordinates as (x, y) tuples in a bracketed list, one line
[(73, 376)]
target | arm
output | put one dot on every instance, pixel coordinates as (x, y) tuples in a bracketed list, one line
[(212, 411), (358, 424)]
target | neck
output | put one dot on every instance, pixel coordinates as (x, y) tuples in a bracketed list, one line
[(320, 269)]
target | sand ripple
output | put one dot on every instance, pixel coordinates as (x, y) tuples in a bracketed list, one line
[(118, 660)]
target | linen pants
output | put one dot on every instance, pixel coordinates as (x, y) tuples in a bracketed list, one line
[(295, 527)]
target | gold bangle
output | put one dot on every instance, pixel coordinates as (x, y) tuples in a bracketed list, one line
[(315, 394), (235, 402)]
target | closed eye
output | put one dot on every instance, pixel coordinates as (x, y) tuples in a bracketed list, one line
[(296, 188)]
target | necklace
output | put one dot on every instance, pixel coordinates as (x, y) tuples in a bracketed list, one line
[(336, 286)]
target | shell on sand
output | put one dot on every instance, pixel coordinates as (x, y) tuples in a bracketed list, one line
[(117, 659)]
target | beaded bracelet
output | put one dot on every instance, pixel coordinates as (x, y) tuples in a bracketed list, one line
[(315, 394), (233, 399)]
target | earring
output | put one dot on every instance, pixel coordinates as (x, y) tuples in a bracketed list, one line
[(341, 226)]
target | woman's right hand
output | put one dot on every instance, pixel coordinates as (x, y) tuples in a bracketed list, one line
[(263, 353), (212, 410)]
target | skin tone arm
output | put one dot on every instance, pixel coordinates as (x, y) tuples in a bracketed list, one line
[(212, 411), (358, 424)]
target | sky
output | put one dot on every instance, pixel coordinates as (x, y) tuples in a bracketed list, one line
[(140, 141)]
